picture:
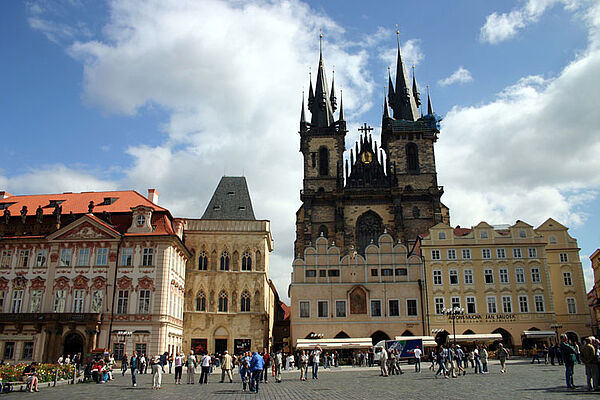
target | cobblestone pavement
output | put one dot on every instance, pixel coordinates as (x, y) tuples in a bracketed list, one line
[(522, 381)]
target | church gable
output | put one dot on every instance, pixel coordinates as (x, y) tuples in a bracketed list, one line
[(85, 228)]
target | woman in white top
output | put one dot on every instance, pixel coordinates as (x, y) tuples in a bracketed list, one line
[(178, 360), (191, 367)]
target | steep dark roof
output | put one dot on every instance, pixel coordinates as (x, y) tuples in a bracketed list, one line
[(231, 200)]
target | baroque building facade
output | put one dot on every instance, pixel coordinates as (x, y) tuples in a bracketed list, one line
[(230, 300), (85, 271)]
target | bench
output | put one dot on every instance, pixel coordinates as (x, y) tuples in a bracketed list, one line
[(8, 387)]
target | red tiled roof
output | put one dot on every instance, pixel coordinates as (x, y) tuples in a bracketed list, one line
[(77, 203), (462, 231), (286, 310)]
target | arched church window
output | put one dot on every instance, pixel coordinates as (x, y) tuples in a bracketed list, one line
[(368, 229), (203, 261), (323, 231), (412, 158), (416, 212), (323, 161), (245, 301), (223, 301), (246, 262), (224, 261), (201, 301)]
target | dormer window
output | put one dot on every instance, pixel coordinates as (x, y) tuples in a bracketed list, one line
[(483, 234), (140, 220), (442, 235)]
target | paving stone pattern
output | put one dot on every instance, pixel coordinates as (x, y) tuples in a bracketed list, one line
[(522, 381)]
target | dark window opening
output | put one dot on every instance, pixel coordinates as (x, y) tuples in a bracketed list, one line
[(323, 161), (412, 157)]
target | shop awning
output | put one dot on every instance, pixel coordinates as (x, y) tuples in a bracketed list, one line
[(477, 337), (341, 343), (538, 334), (428, 341)]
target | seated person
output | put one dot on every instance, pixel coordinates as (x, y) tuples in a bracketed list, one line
[(97, 375), (30, 377)]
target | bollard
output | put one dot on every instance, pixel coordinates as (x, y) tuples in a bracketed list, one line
[(74, 374), (55, 376)]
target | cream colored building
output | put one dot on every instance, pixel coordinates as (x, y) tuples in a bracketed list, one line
[(508, 279), (336, 295), (594, 294), (229, 296)]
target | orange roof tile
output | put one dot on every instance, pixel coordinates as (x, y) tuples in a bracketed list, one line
[(287, 310), (462, 231)]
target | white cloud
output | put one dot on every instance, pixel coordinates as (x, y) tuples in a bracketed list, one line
[(504, 26), (410, 50), (461, 75)]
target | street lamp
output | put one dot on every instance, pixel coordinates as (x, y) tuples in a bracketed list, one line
[(556, 327), (453, 313)]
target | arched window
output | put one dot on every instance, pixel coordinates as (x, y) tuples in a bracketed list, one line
[(323, 161), (323, 231), (201, 301), (412, 158), (223, 301), (225, 261), (368, 229), (245, 301), (246, 262), (203, 261)]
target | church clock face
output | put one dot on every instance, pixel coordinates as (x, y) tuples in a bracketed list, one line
[(367, 157)]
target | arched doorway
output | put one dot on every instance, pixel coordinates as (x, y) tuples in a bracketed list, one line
[(507, 338), (378, 336), (407, 333), (368, 228), (572, 336), (73, 344), (342, 335), (221, 336), (468, 332), (441, 338)]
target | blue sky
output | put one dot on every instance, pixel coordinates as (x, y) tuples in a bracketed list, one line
[(174, 94)]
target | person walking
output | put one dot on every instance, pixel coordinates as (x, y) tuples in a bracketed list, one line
[(191, 363), (477, 359), (278, 364), (226, 365), (257, 363), (417, 355), (156, 366), (316, 353), (441, 361), (460, 360), (569, 358), (484, 359), (503, 355), (170, 360), (163, 361), (124, 363), (303, 363), (588, 357), (245, 369), (205, 365), (383, 361), (267, 357), (133, 364), (178, 361)]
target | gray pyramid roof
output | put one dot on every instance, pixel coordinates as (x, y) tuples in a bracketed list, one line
[(230, 201)]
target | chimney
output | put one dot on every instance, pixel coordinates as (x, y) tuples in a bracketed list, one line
[(4, 194), (153, 196)]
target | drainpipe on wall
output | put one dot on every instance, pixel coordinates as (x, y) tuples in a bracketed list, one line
[(114, 293)]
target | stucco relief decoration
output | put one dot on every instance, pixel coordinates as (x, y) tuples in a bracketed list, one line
[(19, 283), (38, 283), (81, 282), (62, 283), (98, 283), (3, 284), (85, 231), (124, 283), (145, 283), (53, 257)]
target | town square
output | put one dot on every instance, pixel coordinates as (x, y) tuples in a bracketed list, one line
[(299, 199)]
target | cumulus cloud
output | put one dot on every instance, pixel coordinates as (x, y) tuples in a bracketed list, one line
[(504, 26), (410, 50), (461, 75)]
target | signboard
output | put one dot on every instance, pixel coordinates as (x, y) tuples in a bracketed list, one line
[(479, 318), (241, 345), (199, 345), (406, 348)]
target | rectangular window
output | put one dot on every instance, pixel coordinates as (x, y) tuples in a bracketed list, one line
[(455, 301), (466, 254), (535, 275), (394, 308), (304, 309), (311, 273), (2, 294), (441, 235), (451, 254), (483, 234), (517, 253), (568, 281), (147, 254), (375, 308), (374, 272), (122, 302), (503, 272), (84, 257), (17, 301), (126, 257), (571, 307), (118, 350), (435, 255), (333, 272), (523, 304), (471, 308), (102, 256), (144, 302), (386, 272), (78, 300), (453, 277), (322, 273), (23, 259), (500, 253), (141, 348), (65, 257), (41, 258), (36, 301), (468, 276), (486, 254), (401, 272), (488, 275), (564, 257), (506, 304), (532, 252), (539, 303), (9, 350), (323, 309), (437, 277), (439, 305), (60, 300), (27, 350), (5, 258), (520, 275), (491, 305), (411, 308), (340, 309)]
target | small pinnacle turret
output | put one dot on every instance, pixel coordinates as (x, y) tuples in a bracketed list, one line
[(415, 89), (302, 116), (332, 97), (429, 105), (401, 98), (341, 117)]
